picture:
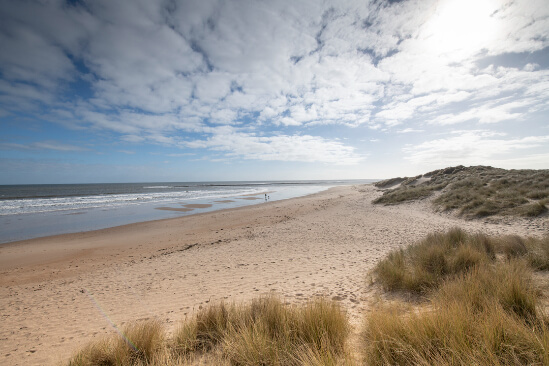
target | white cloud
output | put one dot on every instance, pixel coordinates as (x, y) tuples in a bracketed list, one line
[(214, 86), (531, 67), (154, 71), (30, 57), (132, 138), (223, 116), (42, 145), (14, 92), (409, 130), (439, 57), (282, 147), (288, 121), (530, 161), (179, 155), (472, 148), (487, 113)]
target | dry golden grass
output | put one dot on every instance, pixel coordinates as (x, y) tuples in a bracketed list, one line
[(425, 265), (482, 311), (486, 317), (452, 335), (265, 332), (137, 344), (537, 253)]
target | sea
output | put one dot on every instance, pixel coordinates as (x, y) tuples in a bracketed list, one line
[(31, 211)]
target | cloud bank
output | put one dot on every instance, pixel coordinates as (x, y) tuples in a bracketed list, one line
[(267, 80)]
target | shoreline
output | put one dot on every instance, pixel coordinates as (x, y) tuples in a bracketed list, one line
[(60, 292), (33, 225), (184, 208)]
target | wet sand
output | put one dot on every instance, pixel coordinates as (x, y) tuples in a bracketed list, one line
[(174, 209), (198, 205)]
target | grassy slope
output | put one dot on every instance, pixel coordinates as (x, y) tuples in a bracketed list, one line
[(477, 191)]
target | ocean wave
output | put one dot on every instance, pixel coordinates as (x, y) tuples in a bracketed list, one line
[(50, 204)]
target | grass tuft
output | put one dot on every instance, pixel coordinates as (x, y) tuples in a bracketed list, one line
[(266, 332), (452, 335), (538, 194), (506, 285), (513, 246), (425, 265), (483, 312), (538, 253), (207, 329), (533, 209), (138, 343)]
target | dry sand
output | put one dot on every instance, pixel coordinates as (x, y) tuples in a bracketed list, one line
[(58, 293)]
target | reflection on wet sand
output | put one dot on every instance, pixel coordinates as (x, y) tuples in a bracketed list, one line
[(174, 209)]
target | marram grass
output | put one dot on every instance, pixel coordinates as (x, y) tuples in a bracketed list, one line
[(424, 266), (475, 192), (264, 332), (267, 332), (482, 307), (137, 344)]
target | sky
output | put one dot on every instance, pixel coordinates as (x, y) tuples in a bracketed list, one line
[(167, 90)]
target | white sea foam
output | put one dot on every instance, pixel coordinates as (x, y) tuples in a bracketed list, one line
[(37, 205)]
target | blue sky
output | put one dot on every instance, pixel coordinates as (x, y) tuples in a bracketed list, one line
[(167, 90)]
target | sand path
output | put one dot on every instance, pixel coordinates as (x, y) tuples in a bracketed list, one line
[(58, 293)]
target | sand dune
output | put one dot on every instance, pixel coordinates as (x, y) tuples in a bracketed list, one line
[(58, 293)]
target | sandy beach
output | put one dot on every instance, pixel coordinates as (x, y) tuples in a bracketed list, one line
[(58, 293)]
